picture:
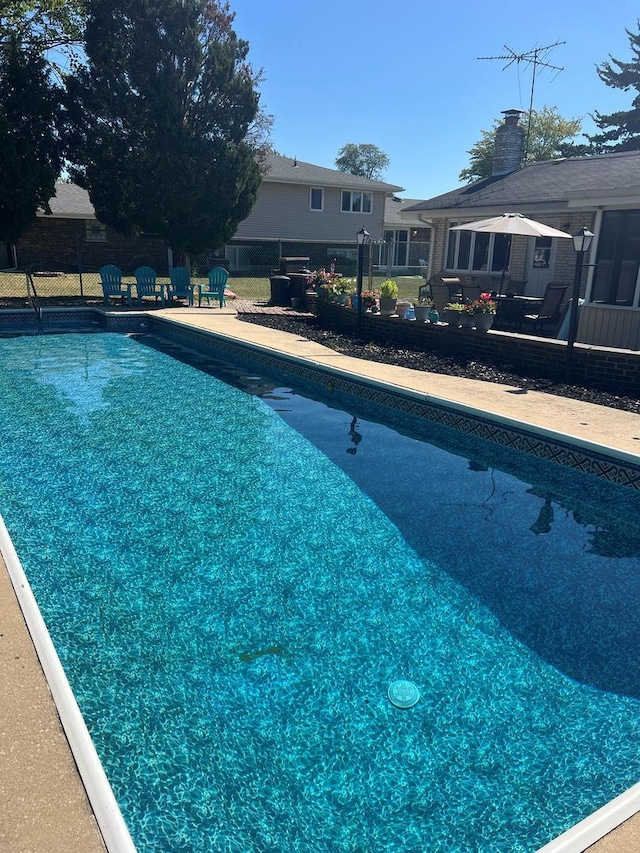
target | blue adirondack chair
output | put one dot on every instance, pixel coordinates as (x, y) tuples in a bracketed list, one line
[(180, 287), (146, 285), (215, 290), (111, 280)]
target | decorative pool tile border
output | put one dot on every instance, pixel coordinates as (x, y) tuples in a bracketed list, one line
[(21, 320), (562, 453)]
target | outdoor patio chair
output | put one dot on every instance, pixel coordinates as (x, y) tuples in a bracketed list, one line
[(515, 288), (146, 285), (471, 292), (549, 309), (424, 292), (180, 287), (441, 296), (111, 280), (215, 290)]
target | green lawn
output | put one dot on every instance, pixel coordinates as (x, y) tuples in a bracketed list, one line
[(67, 287)]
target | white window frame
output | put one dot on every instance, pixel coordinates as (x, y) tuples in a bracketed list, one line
[(94, 231), (456, 235), (353, 195), (313, 190)]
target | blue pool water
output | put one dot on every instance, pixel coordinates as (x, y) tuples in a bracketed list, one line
[(233, 579)]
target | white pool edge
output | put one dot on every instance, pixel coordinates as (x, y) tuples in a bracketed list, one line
[(596, 825), (103, 802)]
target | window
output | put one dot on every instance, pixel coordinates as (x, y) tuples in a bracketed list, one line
[(316, 198), (95, 232), (342, 252), (542, 253), (615, 281), (356, 202), (395, 249), (468, 251)]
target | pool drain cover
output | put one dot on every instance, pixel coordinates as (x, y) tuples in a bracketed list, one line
[(403, 694)]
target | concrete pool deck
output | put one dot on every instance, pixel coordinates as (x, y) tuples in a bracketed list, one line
[(43, 805)]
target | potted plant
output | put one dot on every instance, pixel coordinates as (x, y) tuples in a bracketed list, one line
[(484, 312), (342, 288), (322, 282), (423, 308), (452, 313), (369, 299), (467, 316), (388, 296)]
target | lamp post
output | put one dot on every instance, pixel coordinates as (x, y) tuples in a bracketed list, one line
[(363, 237), (581, 244)]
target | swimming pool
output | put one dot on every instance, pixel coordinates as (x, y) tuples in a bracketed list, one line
[(233, 581)]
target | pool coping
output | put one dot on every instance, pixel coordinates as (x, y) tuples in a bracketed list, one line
[(577, 839), (609, 463), (111, 823)]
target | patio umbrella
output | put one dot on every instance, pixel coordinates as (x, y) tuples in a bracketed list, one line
[(511, 223)]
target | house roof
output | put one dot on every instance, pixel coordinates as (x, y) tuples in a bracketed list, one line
[(293, 171), (573, 182), (71, 201), (393, 208)]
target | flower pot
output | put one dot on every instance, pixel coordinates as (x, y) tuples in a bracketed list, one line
[(483, 322), (451, 317), (387, 306), (402, 308), (467, 320), (422, 313)]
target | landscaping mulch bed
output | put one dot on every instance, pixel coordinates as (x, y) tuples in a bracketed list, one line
[(435, 363)]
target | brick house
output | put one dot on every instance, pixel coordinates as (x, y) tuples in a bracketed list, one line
[(600, 192), (71, 237)]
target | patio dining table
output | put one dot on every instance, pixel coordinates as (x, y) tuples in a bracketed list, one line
[(511, 309)]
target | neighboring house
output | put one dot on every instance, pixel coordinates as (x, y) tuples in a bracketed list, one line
[(405, 246), (317, 209), (600, 192), (71, 237)]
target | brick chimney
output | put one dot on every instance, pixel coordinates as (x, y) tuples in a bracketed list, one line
[(508, 151)]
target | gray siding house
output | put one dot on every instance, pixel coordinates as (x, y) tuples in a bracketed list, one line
[(600, 192), (299, 201), (301, 209)]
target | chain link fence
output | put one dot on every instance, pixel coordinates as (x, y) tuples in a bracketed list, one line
[(250, 267)]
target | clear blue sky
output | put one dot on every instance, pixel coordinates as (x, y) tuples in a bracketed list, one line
[(407, 78)]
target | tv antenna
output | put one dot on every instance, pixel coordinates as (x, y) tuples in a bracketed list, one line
[(536, 57)]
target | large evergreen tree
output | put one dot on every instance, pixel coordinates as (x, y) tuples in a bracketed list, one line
[(30, 149), (548, 135), (620, 131), (161, 120)]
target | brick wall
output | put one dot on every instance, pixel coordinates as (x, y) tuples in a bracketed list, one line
[(616, 371), (565, 258), (61, 245)]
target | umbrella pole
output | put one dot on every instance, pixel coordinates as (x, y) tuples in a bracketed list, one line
[(505, 266)]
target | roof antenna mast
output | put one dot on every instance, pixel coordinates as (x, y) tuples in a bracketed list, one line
[(537, 58)]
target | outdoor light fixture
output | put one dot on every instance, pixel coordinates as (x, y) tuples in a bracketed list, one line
[(581, 243), (363, 238), (582, 240)]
